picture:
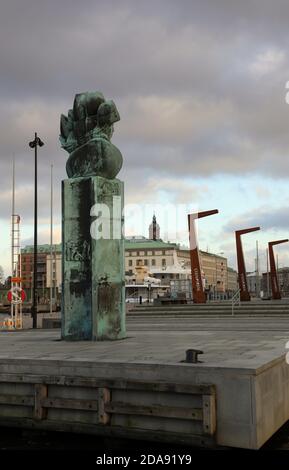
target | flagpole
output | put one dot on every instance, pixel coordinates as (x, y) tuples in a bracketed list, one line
[(12, 233), (51, 238)]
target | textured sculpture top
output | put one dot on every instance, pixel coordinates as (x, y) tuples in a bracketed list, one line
[(86, 134)]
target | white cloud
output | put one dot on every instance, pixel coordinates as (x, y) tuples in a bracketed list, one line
[(267, 62)]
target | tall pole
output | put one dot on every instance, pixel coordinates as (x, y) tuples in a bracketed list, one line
[(31, 287), (216, 280), (267, 261), (257, 271), (12, 231), (51, 237), (34, 144), (35, 239)]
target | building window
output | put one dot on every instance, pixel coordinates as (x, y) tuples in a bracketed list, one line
[(163, 262), (130, 262), (153, 262), (145, 262), (138, 262)]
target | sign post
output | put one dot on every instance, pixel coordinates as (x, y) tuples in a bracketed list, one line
[(16, 295)]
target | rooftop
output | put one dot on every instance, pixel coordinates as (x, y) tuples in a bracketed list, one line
[(41, 248), (132, 244), (215, 255)]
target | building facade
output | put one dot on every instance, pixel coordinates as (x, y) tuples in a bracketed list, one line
[(43, 269), (54, 270), (283, 280), (232, 280), (169, 261)]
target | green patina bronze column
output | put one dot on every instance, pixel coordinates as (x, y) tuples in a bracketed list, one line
[(93, 304)]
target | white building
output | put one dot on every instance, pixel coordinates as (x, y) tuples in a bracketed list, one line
[(56, 270)]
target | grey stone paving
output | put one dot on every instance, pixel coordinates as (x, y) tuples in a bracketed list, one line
[(227, 342)]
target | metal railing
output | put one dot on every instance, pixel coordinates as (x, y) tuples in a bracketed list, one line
[(133, 297), (236, 300)]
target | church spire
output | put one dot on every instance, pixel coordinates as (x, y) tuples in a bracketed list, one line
[(154, 229)]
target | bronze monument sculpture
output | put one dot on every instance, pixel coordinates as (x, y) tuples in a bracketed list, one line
[(92, 223)]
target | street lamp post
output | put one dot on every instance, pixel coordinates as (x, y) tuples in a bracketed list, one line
[(31, 287), (34, 144)]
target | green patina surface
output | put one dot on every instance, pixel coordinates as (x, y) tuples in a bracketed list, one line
[(93, 269), (42, 248), (86, 133), (149, 244), (93, 305)]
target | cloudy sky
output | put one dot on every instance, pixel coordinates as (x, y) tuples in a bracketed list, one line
[(200, 86)]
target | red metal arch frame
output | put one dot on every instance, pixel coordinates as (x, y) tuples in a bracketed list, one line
[(242, 277), (199, 296), (276, 294)]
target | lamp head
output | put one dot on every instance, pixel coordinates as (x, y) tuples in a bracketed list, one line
[(36, 141)]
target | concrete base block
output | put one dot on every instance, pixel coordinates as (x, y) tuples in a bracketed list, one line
[(93, 259)]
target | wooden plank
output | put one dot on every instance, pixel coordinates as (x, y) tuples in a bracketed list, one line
[(104, 397), (164, 387), (190, 389), (156, 411), (70, 404), (40, 392), (209, 414), (16, 400), (33, 379), (186, 439)]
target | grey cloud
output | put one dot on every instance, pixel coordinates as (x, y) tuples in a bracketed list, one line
[(177, 53), (184, 75), (265, 217)]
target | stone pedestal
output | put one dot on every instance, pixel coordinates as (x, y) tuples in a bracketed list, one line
[(93, 292)]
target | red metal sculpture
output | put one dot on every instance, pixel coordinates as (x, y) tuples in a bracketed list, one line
[(242, 278), (276, 294), (199, 295)]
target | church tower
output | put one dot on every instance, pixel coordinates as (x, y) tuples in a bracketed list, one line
[(154, 230)]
